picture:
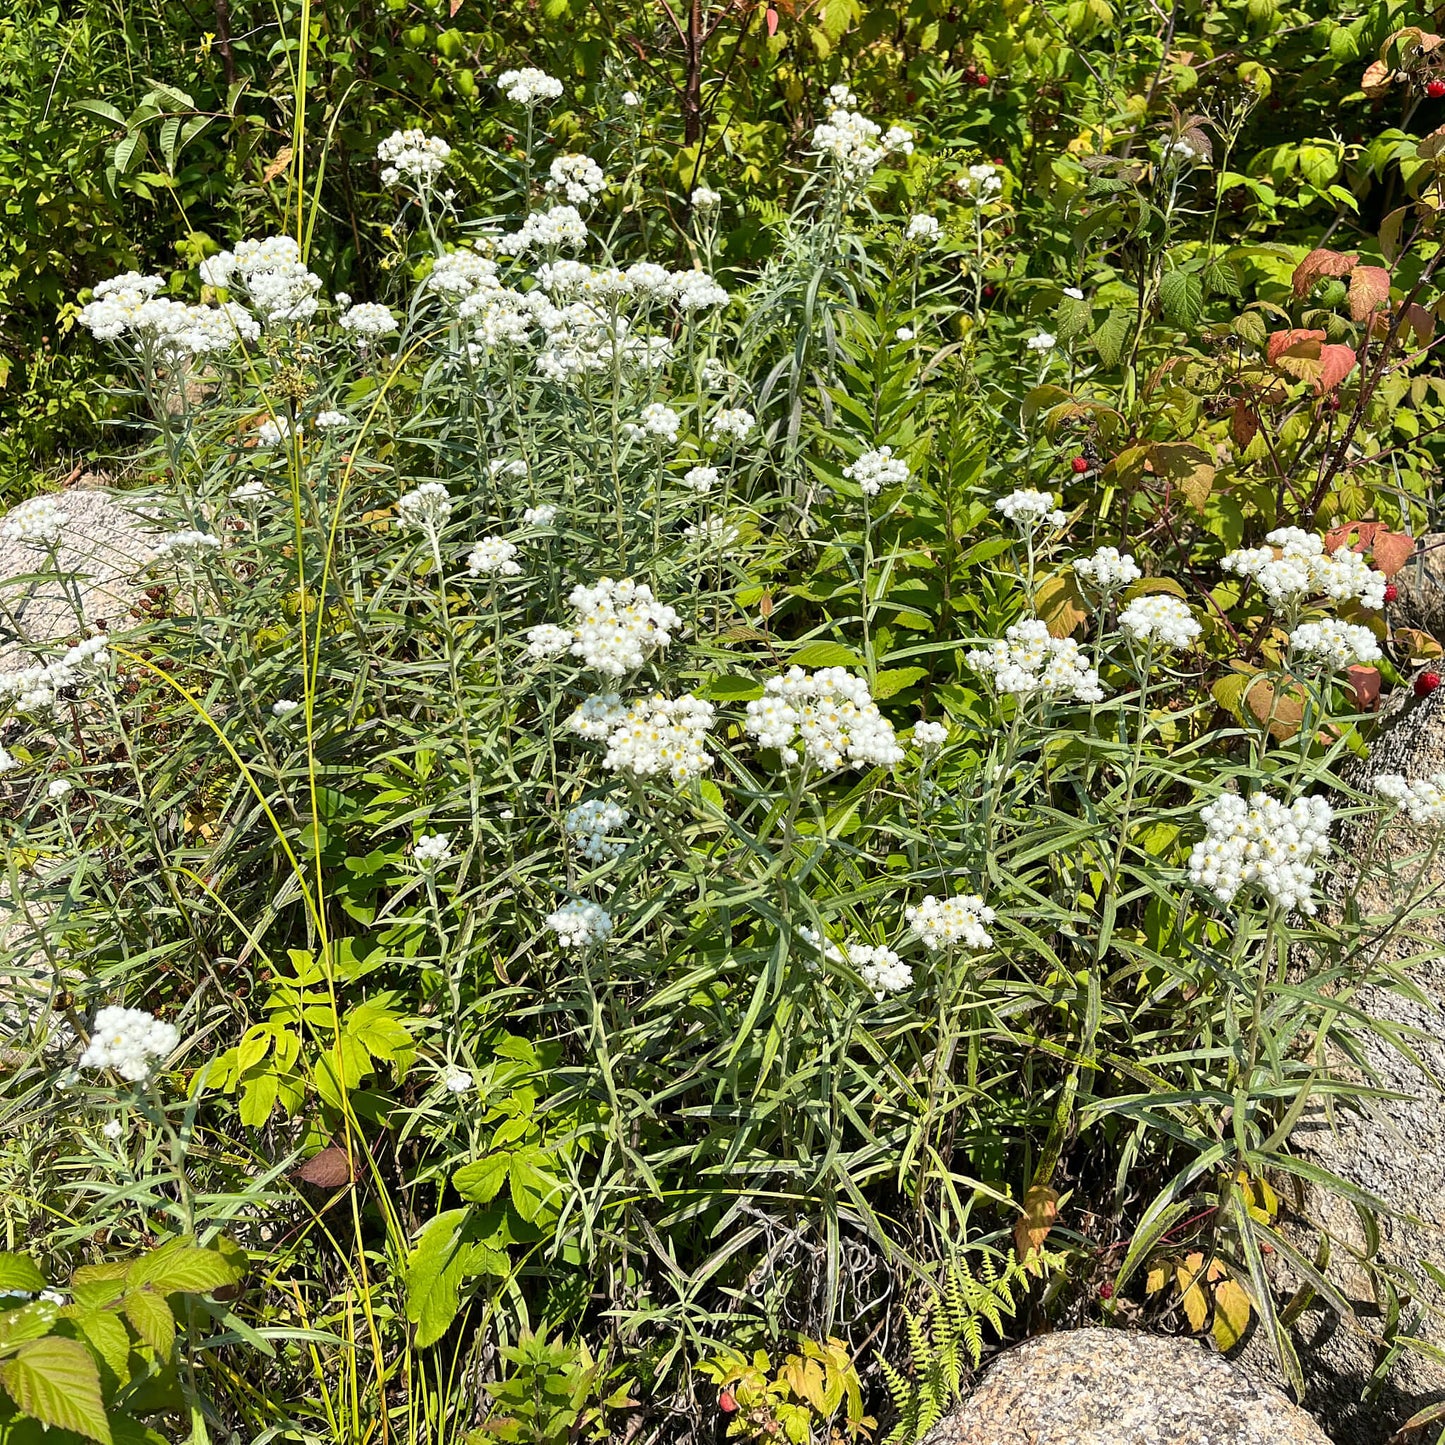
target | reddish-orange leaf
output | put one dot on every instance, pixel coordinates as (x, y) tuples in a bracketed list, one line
[(1321, 262), (1377, 79), (1296, 342), (1369, 290), (1336, 363), (1366, 684), (329, 1169)]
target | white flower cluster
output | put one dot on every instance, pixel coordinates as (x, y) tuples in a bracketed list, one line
[(618, 624), (548, 640), (1108, 571), (249, 494), (695, 291), (1294, 565), (593, 824), (542, 516), (700, 479), (431, 850), (922, 228), (128, 306), (494, 557), (856, 145), (412, 155), (929, 737), (1042, 341), (529, 86), (425, 508), (567, 275), (881, 970), (34, 689), (284, 707), (37, 523), (1335, 644), (657, 421), (188, 546), (580, 924), (579, 177), (332, 420), (8, 761), (654, 735), (458, 1081), (877, 469), (369, 320), (272, 274), (1028, 509), (130, 1041), (947, 922), (547, 231), (1423, 799), (1027, 662), (1159, 618), (458, 274), (732, 423), (59, 790), (271, 431), (831, 713), (704, 199), (981, 183), (1265, 842)]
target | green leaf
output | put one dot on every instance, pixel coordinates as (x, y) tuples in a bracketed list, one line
[(730, 688), (482, 1181), (151, 1316), (101, 109), (1111, 338), (105, 1334), (128, 152), (57, 1382), (29, 1322), (825, 654), (533, 1188), (19, 1272), (442, 1257), (183, 1267), (1181, 294), (895, 679)]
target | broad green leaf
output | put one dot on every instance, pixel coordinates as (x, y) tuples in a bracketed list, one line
[(825, 654), (1181, 294), (483, 1180), (19, 1272), (56, 1381), (152, 1319)]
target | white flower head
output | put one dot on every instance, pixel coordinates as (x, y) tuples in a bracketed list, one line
[(1335, 645), (655, 736), (59, 790), (619, 624), (130, 1041), (458, 1081), (947, 922), (412, 156), (1029, 510), (1028, 662), (1421, 799), (112, 1129), (580, 178), (331, 420), (368, 321), (827, 717), (732, 424), (1108, 571), (249, 495), (284, 707), (38, 523), (541, 516), (922, 228), (547, 641), (529, 86), (1159, 618), (656, 422), (700, 479), (425, 508), (929, 737), (1293, 565), (981, 183), (1263, 842), (579, 924), (1042, 341), (431, 850), (704, 199), (494, 557), (877, 469), (593, 824)]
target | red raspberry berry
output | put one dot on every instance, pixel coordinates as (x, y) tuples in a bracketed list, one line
[(1435, 89), (1426, 683), (981, 80), (1391, 592), (726, 1403), (1080, 465), (1106, 1290)]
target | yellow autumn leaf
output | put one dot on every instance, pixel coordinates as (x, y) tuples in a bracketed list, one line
[(1231, 1314), (1156, 1279)]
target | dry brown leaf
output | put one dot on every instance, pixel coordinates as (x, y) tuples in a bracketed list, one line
[(1420, 645), (283, 159), (1281, 708), (1188, 469), (1243, 424), (1377, 79), (1041, 1209), (329, 1169)]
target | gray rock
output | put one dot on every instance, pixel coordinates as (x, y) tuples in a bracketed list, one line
[(105, 545), (1395, 1148), (1119, 1387), (1421, 587)]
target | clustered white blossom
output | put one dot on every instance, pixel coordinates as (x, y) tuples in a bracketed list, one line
[(273, 430), (529, 86), (547, 640), (1027, 662), (704, 199), (127, 306), (368, 320), (412, 155), (593, 824), (947, 922), (981, 183), (881, 970), (618, 624), (37, 523), (458, 274), (830, 713), (1335, 644), (130, 1041), (654, 735), (431, 850), (580, 177), (34, 689), (458, 1081), (922, 228), (1028, 509), (732, 423), (542, 516), (700, 479), (580, 924), (494, 557), (59, 790), (272, 273), (283, 707), (547, 231), (713, 532), (1042, 341), (332, 420), (1265, 842), (8, 761), (695, 291), (929, 737), (877, 469), (656, 421), (855, 144), (425, 508), (1294, 565), (1108, 571), (249, 494), (1159, 618), (1423, 799), (188, 546)]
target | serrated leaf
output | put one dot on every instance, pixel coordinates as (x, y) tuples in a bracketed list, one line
[(183, 1267), (825, 654), (1232, 1310), (483, 1180), (1320, 263), (19, 1272), (57, 1382), (152, 1319), (1181, 294), (1369, 290), (1112, 336), (895, 679), (731, 688), (1060, 604), (1188, 469)]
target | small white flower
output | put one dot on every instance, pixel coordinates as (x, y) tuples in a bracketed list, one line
[(36, 523), (1422, 799), (593, 824), (368, 320), (1264, 842), (929, 737), (272, 431), (425, 508), (8, 761), (580, 178), (981, 183), (700, 479), (877, 469), (1073, 293), (704, 199), (580, 924), (412, 155), (631, 99), (61, 788), (1028, 662), (881, 970), (548, 640), (542, 516), (657, 422), (1029, 510), (331, 420), (922, 228), (1293, 565), (249, 494), (130, 1041), (1041, 341), (905, 333), (188, 546), (1335, 644), (494, 557), (1108, 571), (529, 86), (431, 850), (946, 922), (1159, 618), (112, 1129), (733, 424), (828, 717), (283, 707), (619, 624), (459, 1081)]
